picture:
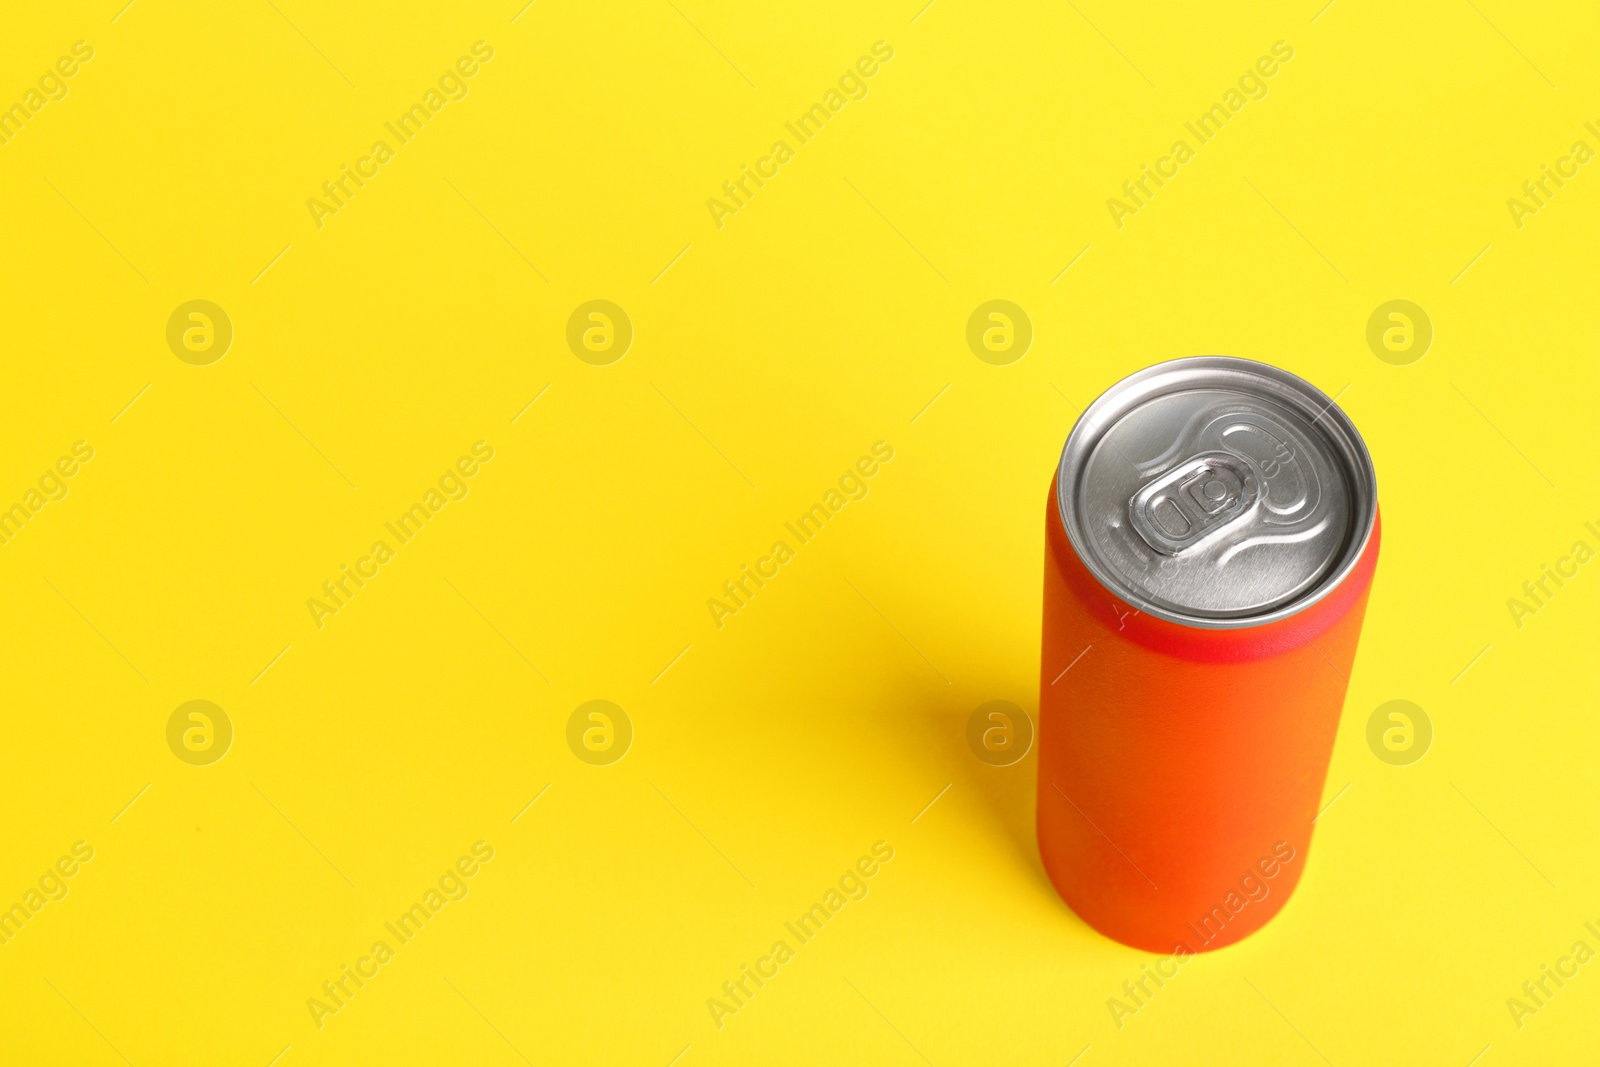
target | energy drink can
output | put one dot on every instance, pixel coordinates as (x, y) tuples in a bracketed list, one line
[(1211, 538)]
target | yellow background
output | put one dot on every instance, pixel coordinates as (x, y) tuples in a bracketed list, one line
[(827, 714)]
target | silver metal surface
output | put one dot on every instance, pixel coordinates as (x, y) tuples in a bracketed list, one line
[(1217, 492)]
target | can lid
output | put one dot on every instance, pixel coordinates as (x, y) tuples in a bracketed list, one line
[(1217, 492)]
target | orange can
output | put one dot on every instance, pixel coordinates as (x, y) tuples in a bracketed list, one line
[(1211, 537)]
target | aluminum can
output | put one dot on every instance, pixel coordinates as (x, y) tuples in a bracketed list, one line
[(1211, 537)]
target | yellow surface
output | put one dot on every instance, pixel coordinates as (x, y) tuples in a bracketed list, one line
[(375, 345)]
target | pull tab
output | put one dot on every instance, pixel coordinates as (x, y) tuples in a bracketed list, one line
[(1193, 500)]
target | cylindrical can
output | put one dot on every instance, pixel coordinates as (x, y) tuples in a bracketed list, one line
[(1211, 537)]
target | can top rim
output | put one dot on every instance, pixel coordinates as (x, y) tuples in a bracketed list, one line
[(1260, 380)]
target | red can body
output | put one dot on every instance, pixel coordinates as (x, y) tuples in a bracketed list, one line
[(1180, 768)]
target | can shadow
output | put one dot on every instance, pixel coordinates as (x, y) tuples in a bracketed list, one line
[(1008, 798), (1003, 798)]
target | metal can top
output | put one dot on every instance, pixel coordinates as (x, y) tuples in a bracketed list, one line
[(1217, 492)]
